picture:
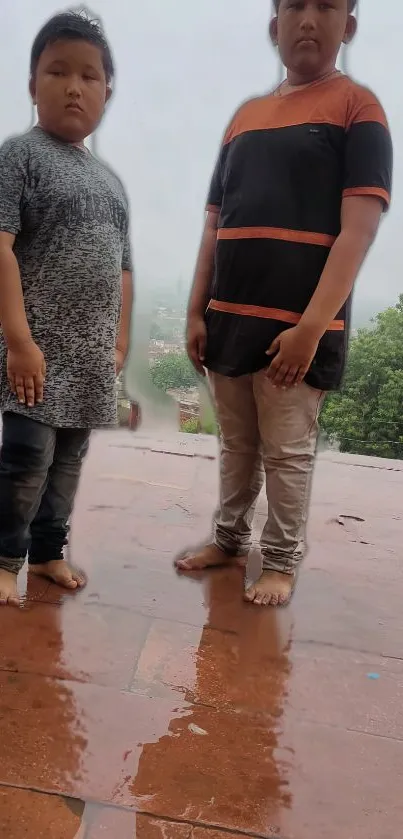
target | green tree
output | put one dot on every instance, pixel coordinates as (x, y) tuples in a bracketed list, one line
[(173, 370), (367, 416)]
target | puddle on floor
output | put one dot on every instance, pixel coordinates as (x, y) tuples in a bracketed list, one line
[(100, 821)]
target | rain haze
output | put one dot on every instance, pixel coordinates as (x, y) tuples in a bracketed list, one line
[(182, 69)]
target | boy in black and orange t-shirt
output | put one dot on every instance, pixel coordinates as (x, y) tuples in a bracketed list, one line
[(296, 198)]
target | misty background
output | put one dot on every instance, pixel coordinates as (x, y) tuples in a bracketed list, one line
[(182, 68)]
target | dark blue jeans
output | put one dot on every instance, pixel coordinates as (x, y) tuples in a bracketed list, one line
[(40, 470)]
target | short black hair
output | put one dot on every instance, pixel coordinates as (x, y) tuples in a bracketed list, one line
[(73, 26), (351, 5)]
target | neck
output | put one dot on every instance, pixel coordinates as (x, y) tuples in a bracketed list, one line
[(80, 144), (298, 79)]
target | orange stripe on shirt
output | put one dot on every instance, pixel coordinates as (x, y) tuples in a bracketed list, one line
[(300, 236), (267, 313), (375, 191)]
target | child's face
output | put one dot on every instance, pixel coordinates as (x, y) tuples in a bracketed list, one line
[(70, 89), (310, 32)]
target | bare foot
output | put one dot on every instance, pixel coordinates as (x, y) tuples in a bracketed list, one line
[(61, 573), (272, 589), (8, 589), (208, 557)]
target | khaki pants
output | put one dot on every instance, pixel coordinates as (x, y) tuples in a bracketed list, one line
[(265, 433)]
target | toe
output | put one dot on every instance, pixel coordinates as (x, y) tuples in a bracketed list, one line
[(274, 600), (78, 577), (183, 563), (250, 594), (259, 598), (14, 601)]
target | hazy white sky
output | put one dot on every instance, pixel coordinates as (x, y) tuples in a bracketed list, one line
[(183, 66)]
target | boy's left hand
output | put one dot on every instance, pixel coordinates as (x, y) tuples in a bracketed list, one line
[(293, 350)]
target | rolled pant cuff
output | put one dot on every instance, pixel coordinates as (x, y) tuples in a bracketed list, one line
[(45, 557), (231, 548), (11, 564), (287, 566)]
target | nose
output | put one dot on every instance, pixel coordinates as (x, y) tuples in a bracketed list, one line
[(308, 21), (73, 87)]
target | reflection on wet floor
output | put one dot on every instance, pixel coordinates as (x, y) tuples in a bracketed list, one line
[(161, 706)]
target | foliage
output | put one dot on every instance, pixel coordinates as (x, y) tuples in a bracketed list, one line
[(191, 426), (367, 416), (194, 425), (209, 428), (173, 370)]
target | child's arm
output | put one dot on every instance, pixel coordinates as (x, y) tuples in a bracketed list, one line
[(360, 217), (368, 161), (12, 310), (25, 362), (296, 348), (200, 293), (123, 339)]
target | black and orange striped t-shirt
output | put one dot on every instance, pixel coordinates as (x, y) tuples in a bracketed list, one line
[(284, 167)]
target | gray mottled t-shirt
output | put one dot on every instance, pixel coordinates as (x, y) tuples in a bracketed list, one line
[(69, 214)]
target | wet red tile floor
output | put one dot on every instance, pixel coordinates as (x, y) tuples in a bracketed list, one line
[(163, 707)]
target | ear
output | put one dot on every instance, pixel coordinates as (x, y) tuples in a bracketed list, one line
[(108, 93), (32, 90), (273, 31), (351, 29)]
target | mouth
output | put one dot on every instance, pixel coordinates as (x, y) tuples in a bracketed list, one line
[(307, 42), (72, 106)]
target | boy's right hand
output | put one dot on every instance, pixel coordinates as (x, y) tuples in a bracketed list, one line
[(26, 370), (196, 339)]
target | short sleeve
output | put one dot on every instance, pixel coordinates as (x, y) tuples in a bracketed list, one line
[(13, 177), (369, 154), (127, 264), (216, 192)]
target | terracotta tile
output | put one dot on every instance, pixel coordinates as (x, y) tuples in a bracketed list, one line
[(149, 584), (92, 742), (244, 670), (33, 590), (207, 833), (113, 823), (356, 607), (259, 782), (336, 688), (260, 669), (76, 738), (38, 816), (342, 784), (245, 773), (89, 644)]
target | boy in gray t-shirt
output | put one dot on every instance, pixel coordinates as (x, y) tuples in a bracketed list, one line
[(65, 299)]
